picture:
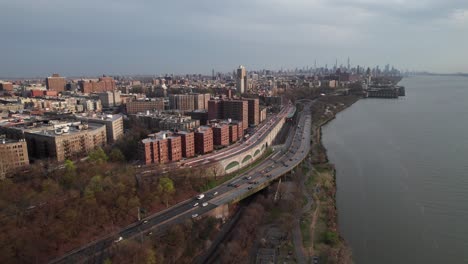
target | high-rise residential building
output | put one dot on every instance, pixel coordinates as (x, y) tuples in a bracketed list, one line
[(221, 134), (215, 109), (13, 154), (103, 84), (188, 143), (134, 107), (236, 110), (110, 99), (229, 109), (56, 83), (182, 102), (204, 140), (114, 125), (201, 115), (254, 111), (241, 79)]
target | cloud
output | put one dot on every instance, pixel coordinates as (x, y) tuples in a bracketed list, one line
[(148, 36)]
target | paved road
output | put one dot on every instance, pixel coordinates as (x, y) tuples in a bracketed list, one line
[(281, 162), (259, 133)]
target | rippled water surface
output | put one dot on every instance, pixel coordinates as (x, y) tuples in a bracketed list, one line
[(402, 173)]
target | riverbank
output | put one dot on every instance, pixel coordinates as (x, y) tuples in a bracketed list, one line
[(320, 225)]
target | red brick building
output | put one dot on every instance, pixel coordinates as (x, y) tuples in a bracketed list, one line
[(221, 135), (229, 109), (56, 83), (214, 109), (254, 111), (161, 148), (103, 84), (6, 86), (204, 140), (175, 148), (233, 133), (188, 143)]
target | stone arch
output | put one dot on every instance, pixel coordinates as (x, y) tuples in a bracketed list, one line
[(256, 152), (231, 165), (246, 158)]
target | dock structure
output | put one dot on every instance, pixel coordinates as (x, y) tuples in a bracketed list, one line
[(386, 91)]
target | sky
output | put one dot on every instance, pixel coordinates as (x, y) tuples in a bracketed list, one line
[(94, 37)]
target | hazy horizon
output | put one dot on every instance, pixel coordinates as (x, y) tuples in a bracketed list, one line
[(115, 37)]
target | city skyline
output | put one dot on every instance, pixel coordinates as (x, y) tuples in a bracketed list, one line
[(121, 38)]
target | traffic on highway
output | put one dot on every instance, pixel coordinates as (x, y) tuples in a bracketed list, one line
[(282, 160)]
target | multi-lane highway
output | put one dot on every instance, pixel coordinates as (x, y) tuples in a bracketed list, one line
[(241, 146), (280, 162)]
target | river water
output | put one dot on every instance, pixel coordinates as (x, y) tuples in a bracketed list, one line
[(402, 173)]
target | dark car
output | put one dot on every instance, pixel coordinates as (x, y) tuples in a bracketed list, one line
[(315, 260)]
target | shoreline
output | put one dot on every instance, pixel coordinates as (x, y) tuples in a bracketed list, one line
[(328, 248)]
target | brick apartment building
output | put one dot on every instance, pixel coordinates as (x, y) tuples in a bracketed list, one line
[(204, 140), (236, 110), (162, 147), (254, 111), (64, 141), (6, 86), (233, 132), (113, 123), (134, 107), (221, 134), (229, 109), (103, 84), (188, 143), (13, 154), (56, 83)]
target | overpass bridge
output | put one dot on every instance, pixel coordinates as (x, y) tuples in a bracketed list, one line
[(281, 162)]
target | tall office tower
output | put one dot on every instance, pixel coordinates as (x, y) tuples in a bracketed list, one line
[(241, 79), (349, 64), (56, 83)]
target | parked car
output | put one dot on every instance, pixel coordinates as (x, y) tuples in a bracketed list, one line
[(204, 204)]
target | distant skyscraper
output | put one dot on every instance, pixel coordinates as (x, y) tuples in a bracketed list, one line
[(349, 64), (241, 79)]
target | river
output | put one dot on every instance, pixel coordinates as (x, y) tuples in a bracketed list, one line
[(402, 173)]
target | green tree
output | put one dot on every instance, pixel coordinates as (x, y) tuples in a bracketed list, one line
[(116, 155), (98, 155), (166, 187)]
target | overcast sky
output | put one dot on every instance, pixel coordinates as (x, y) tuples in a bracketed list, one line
[(92, 37)]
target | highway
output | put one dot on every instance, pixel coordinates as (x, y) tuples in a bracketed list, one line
[(241, 146), (280, 162)]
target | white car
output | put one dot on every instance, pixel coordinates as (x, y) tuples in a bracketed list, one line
[(194, 215), (118, 240), (196, 204), (200, 196), (204, 204), (215, 193)]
